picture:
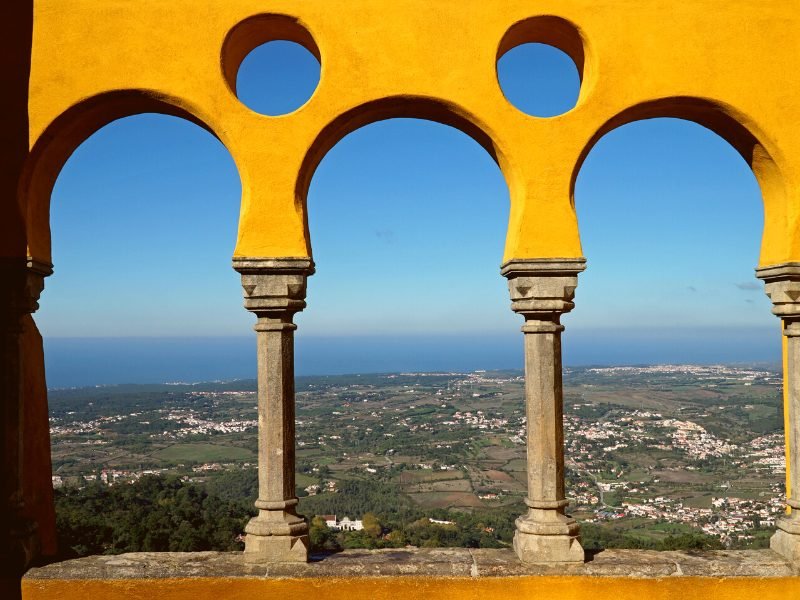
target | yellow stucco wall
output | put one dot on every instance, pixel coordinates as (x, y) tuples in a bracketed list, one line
[(728, 64), (413, 588)]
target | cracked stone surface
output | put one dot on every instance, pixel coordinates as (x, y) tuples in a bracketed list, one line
[(434, 562)]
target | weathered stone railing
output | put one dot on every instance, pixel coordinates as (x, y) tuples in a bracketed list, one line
[(420, 573)]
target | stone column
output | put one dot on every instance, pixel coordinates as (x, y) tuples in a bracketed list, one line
[(541, 291), (21, 282), (275, 289), (783, 288)]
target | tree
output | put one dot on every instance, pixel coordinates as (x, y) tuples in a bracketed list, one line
[(153, 514), (318, 533), (371, 525), (324, 473), (396, 538)]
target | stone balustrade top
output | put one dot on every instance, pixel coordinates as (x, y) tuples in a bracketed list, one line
[(420, 562)]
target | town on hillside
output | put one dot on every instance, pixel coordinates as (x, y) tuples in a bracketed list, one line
[(652, 452)]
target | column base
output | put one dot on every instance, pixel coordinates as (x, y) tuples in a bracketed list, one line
[(261, 549), (532, 548), (268, 541), (785, 543), (548, 542)]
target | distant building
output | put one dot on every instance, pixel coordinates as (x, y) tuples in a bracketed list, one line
[(344, 525), (347, 525), (330, 520)]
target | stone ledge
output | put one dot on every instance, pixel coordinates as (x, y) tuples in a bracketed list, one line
[(438, 563), (418, 574)]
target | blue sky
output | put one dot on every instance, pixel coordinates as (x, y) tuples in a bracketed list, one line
[(408, 221)]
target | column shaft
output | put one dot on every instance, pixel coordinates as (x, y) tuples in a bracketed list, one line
[(275, 341), (543, 399), (791, 380)]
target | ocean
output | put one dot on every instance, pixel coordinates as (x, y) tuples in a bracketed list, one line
[(76, 362)]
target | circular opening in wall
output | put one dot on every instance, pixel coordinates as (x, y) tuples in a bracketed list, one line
[(540, 66), (277, 78), (272, 64)]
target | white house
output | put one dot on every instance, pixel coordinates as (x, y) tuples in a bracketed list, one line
[(344, 525), (347, 525)]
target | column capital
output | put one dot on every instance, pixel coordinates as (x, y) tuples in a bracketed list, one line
[(274, 287), (542, 288), (782, 285), (23, 279)]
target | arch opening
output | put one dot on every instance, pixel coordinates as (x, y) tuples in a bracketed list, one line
[(139, 187), (670, 221), (144, 214), (407, 220), (429, 151)]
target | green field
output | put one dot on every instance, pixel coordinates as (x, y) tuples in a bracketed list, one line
[(303, 480), (202, 453)]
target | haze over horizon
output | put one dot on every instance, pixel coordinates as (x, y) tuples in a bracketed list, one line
[(79, 362)]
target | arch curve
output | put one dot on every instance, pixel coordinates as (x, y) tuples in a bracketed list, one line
[(396, 107), (731, 125), (68, 131), (410, 107)]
